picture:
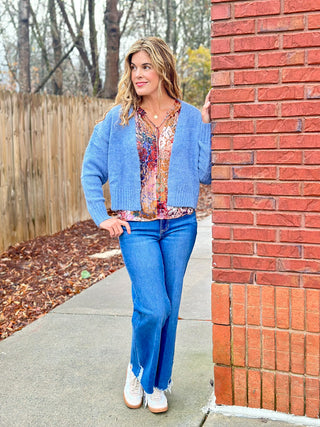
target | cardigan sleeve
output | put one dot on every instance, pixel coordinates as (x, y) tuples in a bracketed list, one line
[(95, 172), (204, 165)]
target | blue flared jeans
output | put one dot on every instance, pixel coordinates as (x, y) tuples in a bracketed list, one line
[(156, 254)]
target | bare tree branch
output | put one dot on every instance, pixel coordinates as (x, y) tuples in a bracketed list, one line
[(39, 38), (64, 57), (127, 18), (79, 41), (78, 26), (12, 16), (13, 70)]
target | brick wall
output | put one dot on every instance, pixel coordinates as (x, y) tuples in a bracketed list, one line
[(266, 186)]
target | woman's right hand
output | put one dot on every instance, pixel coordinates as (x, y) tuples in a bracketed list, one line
[(205, 112), (114, 226)]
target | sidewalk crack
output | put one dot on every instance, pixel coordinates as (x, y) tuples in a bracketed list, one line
[(204, 419)]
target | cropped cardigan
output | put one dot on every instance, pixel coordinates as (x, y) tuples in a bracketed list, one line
[(112, 156)]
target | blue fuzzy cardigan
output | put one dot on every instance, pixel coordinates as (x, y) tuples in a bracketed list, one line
[(112, 155)]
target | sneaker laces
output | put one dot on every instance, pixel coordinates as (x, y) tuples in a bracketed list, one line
[(157, 394), (135, 386)]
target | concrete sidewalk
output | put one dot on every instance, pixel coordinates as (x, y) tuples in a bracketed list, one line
[(68, 367)]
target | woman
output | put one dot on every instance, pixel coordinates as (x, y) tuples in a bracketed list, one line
[(154, 149)]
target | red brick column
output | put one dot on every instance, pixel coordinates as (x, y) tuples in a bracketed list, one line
[(266, 275)]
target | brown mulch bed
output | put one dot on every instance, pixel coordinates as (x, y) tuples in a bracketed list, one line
[(40, 274)]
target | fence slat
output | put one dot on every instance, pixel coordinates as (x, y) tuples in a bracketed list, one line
[(42, 143)]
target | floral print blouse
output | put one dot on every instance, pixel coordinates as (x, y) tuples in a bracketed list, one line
[(154, 148)]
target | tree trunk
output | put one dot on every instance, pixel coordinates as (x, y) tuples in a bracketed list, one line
[(97, 85), (175, 35), (112, 36), (24, 47), (171, 30), (57, 80)]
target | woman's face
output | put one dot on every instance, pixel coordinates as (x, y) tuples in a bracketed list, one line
[(143, 75)]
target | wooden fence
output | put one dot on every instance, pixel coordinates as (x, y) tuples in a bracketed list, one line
[(42, 143)]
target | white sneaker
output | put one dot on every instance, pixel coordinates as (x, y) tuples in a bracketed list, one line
[(157, 401), (133, 392)]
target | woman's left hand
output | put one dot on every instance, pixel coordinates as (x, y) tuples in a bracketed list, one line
[(205, 111)]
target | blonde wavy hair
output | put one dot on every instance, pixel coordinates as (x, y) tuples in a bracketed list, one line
[(165, 65)]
